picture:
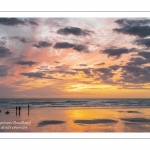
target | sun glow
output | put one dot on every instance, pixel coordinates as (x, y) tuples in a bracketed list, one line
[(92, 88)]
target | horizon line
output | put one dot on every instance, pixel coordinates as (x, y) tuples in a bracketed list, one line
[(71, 98)]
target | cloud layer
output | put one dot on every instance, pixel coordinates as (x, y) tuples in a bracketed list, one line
[(79, 57)]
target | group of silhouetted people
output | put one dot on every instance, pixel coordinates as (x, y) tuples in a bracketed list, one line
[(18, 110)]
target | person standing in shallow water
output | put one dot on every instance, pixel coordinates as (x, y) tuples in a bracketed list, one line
[(16, 110), (28, 110), (19, 109)]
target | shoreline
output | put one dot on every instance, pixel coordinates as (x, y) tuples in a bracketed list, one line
[(77, 107)]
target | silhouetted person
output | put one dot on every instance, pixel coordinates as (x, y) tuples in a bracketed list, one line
[(19, 109), (16, 110), (28, 110)]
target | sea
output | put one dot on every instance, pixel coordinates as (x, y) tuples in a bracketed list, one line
[(11, 103)]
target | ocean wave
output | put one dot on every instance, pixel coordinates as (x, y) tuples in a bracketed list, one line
[(38, 103)]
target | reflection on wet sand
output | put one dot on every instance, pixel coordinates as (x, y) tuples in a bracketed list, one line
[(81, 119), (28, 110)]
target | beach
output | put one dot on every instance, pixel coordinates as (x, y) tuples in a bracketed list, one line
[(76, 119)]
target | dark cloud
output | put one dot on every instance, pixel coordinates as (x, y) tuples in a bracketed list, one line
[(81, 48), (143, 42), (137, 61), (16, 21), (63, 69), (114, 67), (138, 28), (63, 72), (117, 52), (87, 71), (82, 64), (146, 55), (42, 44), (131, 73), (132, 22), (33, 74), (136, 74), (140, 31), (4, 52), (29, 63), (11, 21), (3, 71), (63, 45), (74, 30), (105, 71), (36, 75), (104, 75), (21, 39), (100, 64)]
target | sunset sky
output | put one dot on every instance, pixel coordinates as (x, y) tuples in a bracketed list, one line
[(75, 57)]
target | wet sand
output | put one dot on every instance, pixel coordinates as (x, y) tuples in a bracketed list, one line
[(76, 120)]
